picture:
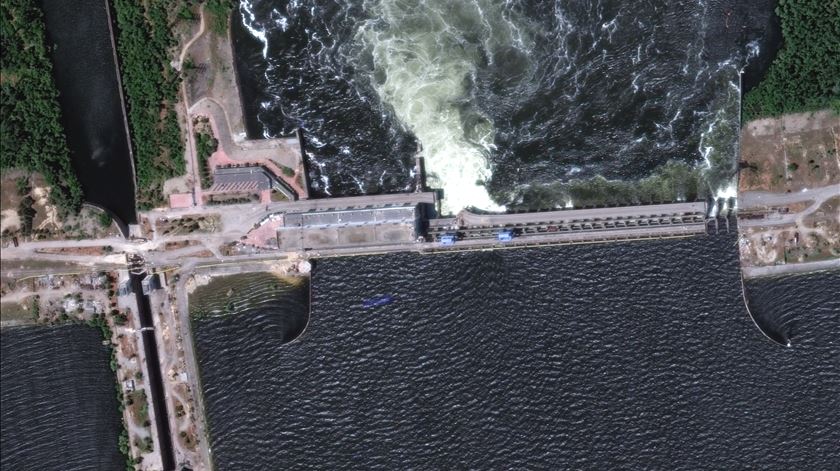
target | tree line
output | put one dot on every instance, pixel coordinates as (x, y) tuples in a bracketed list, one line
[(144, 40), (31, 135), (805, 75)]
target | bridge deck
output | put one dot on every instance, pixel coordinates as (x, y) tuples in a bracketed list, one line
[(582, 215)]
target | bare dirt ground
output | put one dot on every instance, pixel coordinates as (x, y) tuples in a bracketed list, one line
[(788, 190), (95, 251), (790, 153), (46, 223), (208, 66)]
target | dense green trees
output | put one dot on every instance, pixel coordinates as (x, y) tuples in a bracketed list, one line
[(219, 11), (205, 145), (151, 86), (31, 136), (674, 181), (805, 75)]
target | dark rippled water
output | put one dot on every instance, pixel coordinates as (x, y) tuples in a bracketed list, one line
[(58, 405), (86, 77), (511, 93), (623, 356)]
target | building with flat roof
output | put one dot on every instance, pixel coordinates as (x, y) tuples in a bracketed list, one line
[(248, 179), (350, 227)]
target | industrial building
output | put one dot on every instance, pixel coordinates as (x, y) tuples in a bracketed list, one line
[(248, 179)]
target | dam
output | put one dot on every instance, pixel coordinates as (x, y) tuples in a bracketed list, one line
[(408, 222)]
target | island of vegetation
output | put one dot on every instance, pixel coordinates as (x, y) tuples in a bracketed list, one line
[(144, 39), (31, 134), (805, 76)]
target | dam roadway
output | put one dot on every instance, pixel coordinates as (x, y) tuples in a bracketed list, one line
[(368, 224)]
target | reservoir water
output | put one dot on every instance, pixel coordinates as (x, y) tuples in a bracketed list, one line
[(91, 113), (623, 356), (502, 95), (58, 404)]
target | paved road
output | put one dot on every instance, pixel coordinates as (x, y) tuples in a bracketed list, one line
[(754, 199), (750, 199), (284, 150), (555, 238)]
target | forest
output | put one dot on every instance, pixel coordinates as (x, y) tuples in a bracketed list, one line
[(31, 135), (805, 75), (151, 87)]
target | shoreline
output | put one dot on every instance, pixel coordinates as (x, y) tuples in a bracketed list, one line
[(790, 269)]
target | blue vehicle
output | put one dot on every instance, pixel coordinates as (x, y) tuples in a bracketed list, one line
[(448, 239), (378, 301), (505, 236)]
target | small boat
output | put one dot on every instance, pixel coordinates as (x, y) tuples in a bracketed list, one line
[(378, 301)]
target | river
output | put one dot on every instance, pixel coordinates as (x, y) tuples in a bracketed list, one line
[(58, 404), (91, 113), (630, 355), (502, 96)]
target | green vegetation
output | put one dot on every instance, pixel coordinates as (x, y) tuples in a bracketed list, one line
[(26, 209), (287, 171), (151, 88), (120, 318), (18, 312), (186, 13), (205, 145), (125, 449), (105, 219), (102, 324), (672, 182), (805, 75), (36, 307), (145, 445), (219, 11), (123, 443), (31, 136)]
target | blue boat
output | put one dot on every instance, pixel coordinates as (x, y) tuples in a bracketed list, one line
[(378, 301)]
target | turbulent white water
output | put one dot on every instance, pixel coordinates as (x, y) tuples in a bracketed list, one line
[(503, 97), (424, 57)]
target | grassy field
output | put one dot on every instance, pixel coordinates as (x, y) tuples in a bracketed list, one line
[(19, 312)]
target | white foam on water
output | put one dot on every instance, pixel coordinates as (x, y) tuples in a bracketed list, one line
[(719, 141), (424, 57), (727, 193), (249, 20)]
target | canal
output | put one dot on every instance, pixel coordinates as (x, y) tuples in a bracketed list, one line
[(85, 73), (155, 374)]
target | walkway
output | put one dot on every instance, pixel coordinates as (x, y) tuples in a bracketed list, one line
[(751, 199), (676, 209)]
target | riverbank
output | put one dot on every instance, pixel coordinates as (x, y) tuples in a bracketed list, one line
[(789, 194), (215, 127), (86, 74), (793, 268), (33, 137)]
